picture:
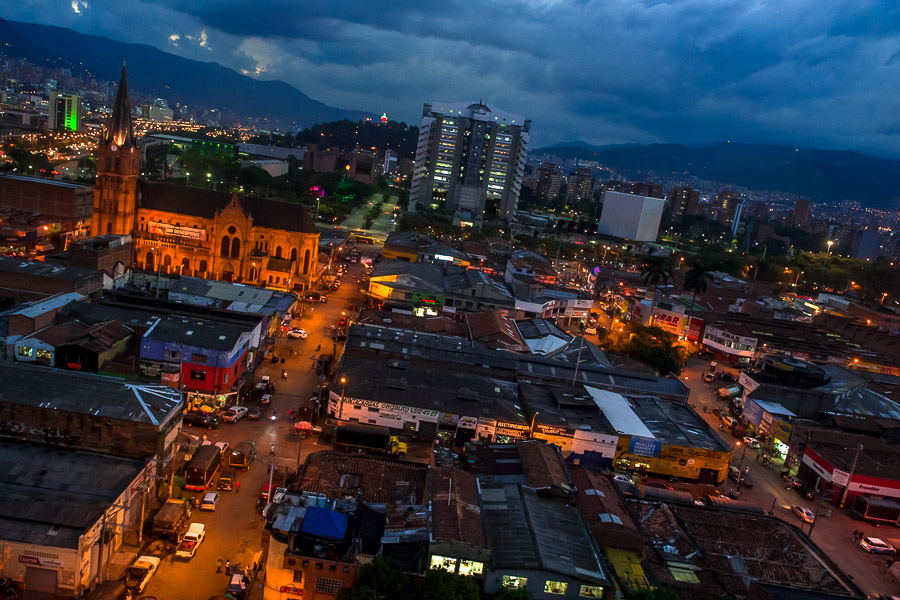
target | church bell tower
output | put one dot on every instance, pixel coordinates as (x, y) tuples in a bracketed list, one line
[(118, 167)]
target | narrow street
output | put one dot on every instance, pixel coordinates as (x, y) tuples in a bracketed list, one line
[(233, 530), (834, 527)]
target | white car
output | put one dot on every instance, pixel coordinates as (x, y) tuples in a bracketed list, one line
[(751, 442), (876, 545), (803, 512), (622, 479), (235, 414), (140, 572), (210, 500), (297, 334)]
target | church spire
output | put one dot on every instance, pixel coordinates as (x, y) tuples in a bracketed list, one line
[(121, 130)]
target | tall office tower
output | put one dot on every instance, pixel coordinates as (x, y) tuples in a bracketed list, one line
[(726, 204), (547, 182), (683, 201), (65, 112), (800, 215), (470, 160), (580, 185)]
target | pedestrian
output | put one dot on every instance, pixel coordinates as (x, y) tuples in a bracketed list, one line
[(219, 564), (204, 437), (272, 450), (228, 568), (237, 486), (855, 535)]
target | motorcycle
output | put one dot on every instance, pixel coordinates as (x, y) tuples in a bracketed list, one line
[(283, 374)]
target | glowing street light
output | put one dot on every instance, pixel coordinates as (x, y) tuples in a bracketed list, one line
[(827, 254)]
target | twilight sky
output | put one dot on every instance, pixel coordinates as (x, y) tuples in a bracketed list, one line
[(812, 73)]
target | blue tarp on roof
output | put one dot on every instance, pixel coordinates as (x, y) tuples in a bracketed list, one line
[(774, 408), (324, 523)]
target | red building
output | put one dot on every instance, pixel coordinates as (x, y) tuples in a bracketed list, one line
[(871, 467)]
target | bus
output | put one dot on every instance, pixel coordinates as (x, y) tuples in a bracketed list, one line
[(202, 469), (364, 239)]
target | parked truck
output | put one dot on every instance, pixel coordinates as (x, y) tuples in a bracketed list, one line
[(169, 521), (369, 439), (877, 509), (191, 540), (241, 456)]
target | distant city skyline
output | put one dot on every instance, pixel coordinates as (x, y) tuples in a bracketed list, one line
[(690, 71)]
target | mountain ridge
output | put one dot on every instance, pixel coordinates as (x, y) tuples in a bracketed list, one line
[(177, 79), (820, 175)]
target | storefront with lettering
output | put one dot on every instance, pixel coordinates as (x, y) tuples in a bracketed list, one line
[(398, 418), (654, 456), (820, 474)]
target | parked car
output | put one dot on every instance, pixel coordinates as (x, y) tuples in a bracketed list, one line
[(708, 377), (297, 334), (622, 478), (255, 413), (726, 376), (875, 545), (210, 500), (235, 414), (266, 400), (727, 421), (237, 587), (751, 442), (803, 512), (140, 572), (201, 420)]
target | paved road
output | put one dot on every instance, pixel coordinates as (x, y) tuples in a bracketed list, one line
[(833, 531), (233, 531), (382, 224)]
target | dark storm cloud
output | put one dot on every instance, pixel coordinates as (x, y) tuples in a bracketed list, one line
[(807, 72)]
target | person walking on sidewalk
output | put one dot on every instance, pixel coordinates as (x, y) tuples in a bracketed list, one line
[(228, 568), (272, 450), (219, 564)]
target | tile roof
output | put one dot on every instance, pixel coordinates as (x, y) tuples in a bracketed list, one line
[(544, 467), (495, 328), (266, 212), (605, 512), (455, 507), (371, 479), (96, 338)]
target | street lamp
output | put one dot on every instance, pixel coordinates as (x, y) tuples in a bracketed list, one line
[(740, 476), (827, 254), (850, 475), (341, 407), (533, 417)]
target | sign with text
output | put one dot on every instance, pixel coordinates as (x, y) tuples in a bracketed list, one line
[(643, 446), (183, 232)]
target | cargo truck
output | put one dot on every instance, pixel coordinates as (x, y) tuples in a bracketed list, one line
[(169, 520), (877, 509), (369, 439), (242, 455)]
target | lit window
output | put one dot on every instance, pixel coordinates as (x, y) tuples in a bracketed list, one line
[(591, 591), (555, 587), (26, 351), (511, 581), (444, 563), (198, 375), (470, 567)]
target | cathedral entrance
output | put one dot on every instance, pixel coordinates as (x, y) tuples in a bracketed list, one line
[(228, 275)]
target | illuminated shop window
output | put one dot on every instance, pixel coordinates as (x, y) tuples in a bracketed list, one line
[(444, 563), (470, 567), (555, 587), (591, 591), (511, 581)]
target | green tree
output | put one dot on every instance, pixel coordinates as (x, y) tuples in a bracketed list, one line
[(658, 593), (695, 280), (442, 585), (656, 270), (508, 593), (381, 579)]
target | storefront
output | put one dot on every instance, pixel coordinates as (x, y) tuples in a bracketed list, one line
[(817, 469), (771, 423), (208, 403)]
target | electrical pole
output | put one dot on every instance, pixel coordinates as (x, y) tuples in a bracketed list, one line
[(850, 476)]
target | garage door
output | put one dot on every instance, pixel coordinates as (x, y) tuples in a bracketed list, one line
[(40, 580)]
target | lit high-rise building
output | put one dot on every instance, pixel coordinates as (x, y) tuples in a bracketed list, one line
[(549, 180), (470, 160), (65, 112), (683, 201)]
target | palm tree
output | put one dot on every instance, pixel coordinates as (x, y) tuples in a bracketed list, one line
[(695, 280), (657, 269)]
